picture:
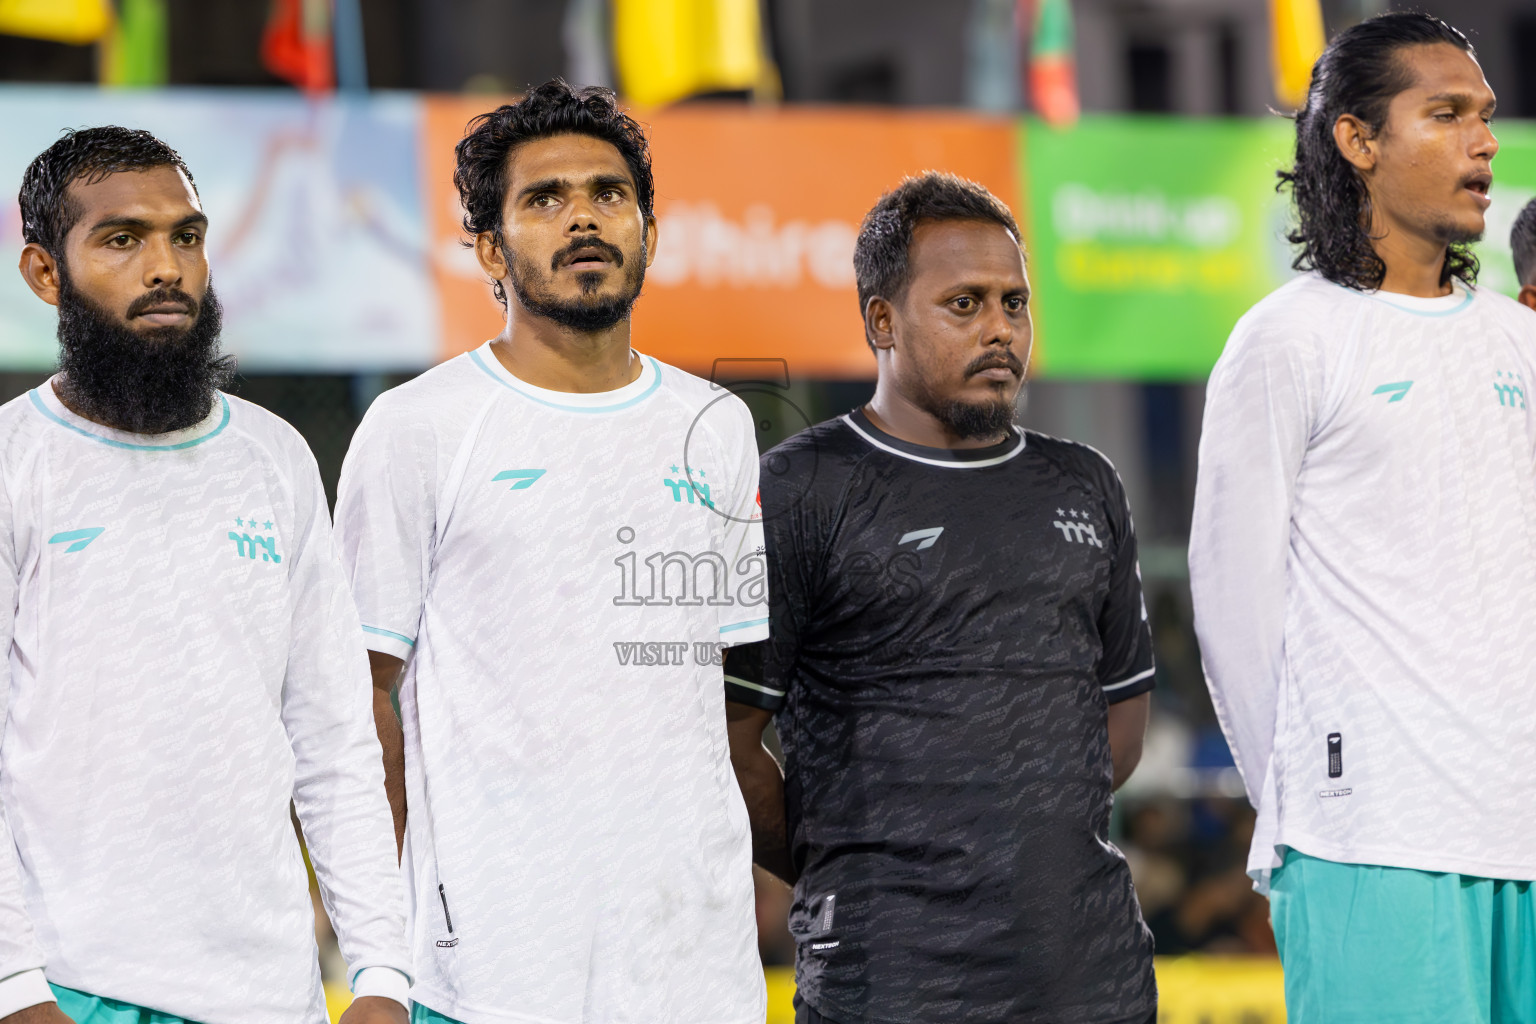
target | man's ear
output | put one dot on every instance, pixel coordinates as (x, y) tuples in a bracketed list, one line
[(878, 325), (1356, 142), (492, 260), (41, 272), (1528, 296), (650, 240)]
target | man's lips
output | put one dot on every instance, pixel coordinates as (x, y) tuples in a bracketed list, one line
[(163, 314), (1478, 185)]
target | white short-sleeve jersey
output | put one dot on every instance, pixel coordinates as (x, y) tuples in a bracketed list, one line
[(561, 571), (1363, 561), (182, 664)]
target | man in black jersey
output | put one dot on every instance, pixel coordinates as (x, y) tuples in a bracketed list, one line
[(959, 664)]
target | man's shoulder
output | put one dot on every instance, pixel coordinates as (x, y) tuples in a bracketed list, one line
[(1075, 458), (437, 397), (273, 434), (1305, 302)]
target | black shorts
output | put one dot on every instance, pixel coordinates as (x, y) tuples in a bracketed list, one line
[(805, 1014)]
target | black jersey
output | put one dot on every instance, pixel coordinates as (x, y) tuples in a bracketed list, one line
[(948, 628)]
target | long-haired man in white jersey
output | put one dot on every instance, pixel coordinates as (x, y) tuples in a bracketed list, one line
[(1363, 555)]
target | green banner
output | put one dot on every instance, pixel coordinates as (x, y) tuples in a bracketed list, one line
[(1148, 236)]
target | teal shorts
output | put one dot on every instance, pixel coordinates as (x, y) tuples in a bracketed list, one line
[(1367, 944), (83, 1008), (426, 1015)]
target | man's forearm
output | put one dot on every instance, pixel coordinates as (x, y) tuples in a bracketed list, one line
[(762, 788), (386, 670)]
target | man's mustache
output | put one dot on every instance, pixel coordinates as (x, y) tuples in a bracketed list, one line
[(608, 249), (160, 297)]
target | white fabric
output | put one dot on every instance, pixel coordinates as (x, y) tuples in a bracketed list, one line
[(382, 981), (20, 991), (1363, 562), (181, 665), (570, 797)]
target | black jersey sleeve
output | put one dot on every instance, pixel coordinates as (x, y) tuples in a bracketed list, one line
[(759, 674), (1126, 669)]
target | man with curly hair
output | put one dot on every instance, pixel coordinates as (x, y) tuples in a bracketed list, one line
[(181, 663), (554, 536), (1363, 555)]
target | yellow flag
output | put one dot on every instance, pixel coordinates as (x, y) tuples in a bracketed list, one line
[(1297, 40), (667, 50), (63, 21)]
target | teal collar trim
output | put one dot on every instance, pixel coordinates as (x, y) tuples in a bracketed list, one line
[(527, 390), (1403, 305), (37, 402)]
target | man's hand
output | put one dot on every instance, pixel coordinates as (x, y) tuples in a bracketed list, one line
[(49, 1013), (364, 1010)]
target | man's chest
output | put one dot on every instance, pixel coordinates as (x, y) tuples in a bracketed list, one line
[(966, 555)]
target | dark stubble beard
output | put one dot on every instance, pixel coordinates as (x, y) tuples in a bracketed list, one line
[(149, 381), (973, 421), (589, 312)]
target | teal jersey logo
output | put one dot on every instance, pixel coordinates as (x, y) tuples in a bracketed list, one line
[(522, 479), (1397, 390), (77, 539), (249, 546), (1510, 387), (684, 487)]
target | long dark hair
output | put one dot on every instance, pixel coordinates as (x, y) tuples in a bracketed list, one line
[(1358, 74)]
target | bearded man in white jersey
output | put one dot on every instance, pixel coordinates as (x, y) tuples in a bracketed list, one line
[(554, 535), (1363, 555), (180, 656)]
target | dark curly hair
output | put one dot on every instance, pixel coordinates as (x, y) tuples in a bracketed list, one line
[(1522, 242), (880, 256), (1357, 74), (87, 155), (553, 108)]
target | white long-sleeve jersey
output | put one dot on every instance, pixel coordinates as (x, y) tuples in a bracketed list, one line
[(1363, 562), (183, 661)]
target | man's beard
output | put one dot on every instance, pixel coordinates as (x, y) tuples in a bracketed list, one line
[(148, 381), (972, 421), (588, 313)]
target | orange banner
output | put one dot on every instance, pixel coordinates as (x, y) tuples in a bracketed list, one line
[(757, 214)]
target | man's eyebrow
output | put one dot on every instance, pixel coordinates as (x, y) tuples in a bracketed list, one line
[(140, 224), (1460, 99), (566, 184)]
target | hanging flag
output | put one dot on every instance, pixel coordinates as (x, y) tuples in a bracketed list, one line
[(296, 45), (134, 50), (62, 21), (1296, 41), (1052, 67), (668, 50)]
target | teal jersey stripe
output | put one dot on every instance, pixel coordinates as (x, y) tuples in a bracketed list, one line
[(38, 402), (392, 635), (474, 355), (743, 625), (1463, 304)]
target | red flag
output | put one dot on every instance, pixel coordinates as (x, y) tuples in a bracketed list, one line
[(297, 43)]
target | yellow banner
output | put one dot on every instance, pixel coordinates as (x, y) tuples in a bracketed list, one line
[(63, 21)]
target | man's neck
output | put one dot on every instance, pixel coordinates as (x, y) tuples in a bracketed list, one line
[(899, 417), (546, 355), (1414, 263)]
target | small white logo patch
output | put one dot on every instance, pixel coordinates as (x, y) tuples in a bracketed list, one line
[(924, 537), (817, 947), (1325, 793)]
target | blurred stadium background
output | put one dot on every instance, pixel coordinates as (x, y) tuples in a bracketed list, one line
[(1136, 140)]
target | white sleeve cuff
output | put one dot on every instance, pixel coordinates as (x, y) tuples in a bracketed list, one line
[(380, 981), (387, 641), (20, 991)]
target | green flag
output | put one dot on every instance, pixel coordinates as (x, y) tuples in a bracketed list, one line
[(134, 49)]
